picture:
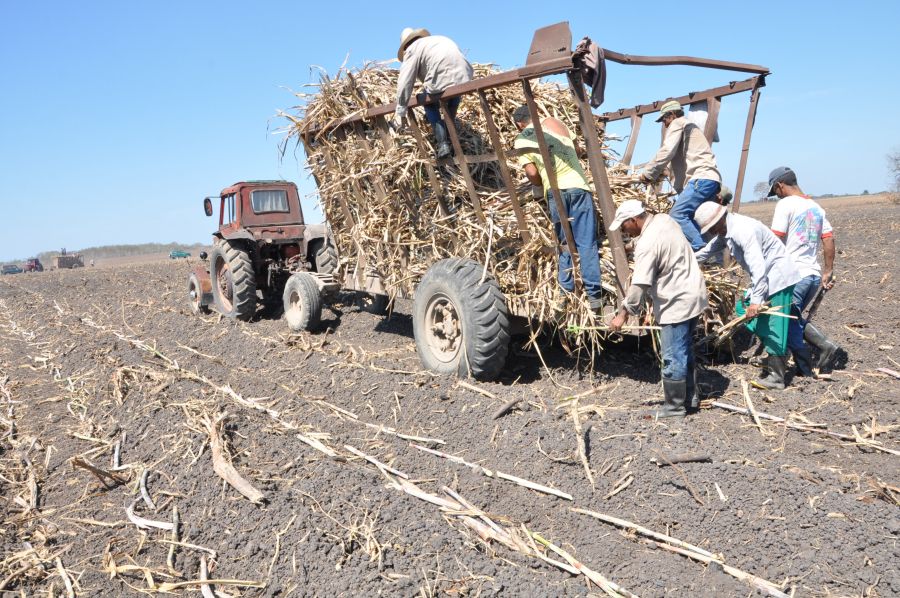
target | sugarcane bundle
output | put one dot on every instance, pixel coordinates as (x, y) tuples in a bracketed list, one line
[(384, 213)]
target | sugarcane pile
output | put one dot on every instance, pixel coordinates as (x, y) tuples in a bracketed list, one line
[(384, 214)]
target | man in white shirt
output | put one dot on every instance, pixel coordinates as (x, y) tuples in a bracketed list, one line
[(801, 223), (772, 279), (665, 269), (438, 62)]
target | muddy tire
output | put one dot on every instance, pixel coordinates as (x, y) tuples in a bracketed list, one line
[(373, 303), (195, 294), (461, 325), (325, 256), (233, 281), (302, 302)]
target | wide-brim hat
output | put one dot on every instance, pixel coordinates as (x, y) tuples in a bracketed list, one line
[(408, 36), (708, 214), (670, 106)]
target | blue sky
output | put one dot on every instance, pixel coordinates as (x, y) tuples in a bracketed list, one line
[(117, 118)]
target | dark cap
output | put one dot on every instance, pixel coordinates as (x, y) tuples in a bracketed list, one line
[(782, 174)]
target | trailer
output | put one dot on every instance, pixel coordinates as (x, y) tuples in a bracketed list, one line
[(461, 319), (68, 261)]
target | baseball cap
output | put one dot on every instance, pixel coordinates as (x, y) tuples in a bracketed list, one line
[(779, 175), (628, 209), (708, 214), (669, 106)]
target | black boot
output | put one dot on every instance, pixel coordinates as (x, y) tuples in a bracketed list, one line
[(803, 361), (443, 140), (827, 349), (777, 367), (674, 392)]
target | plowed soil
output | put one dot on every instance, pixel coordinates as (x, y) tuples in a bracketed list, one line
[(98, 358)]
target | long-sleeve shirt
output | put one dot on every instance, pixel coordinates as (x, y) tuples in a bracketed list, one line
[(687, 149), (664, 266), (759, 252), (437, 62)]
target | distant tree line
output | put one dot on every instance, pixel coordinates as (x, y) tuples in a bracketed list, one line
[(111, 251)]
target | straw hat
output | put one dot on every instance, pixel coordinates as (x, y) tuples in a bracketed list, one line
[(670, 106), (408, 36), (708, 214)]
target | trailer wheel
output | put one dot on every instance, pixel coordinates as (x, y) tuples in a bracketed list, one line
[(325, 256), (373, 303), (302, 302), (234, 281), (461, 324), (195, 294)]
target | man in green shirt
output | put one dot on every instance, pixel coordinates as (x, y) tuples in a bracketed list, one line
[(575, 194)]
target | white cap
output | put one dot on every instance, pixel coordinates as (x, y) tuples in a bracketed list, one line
[(708, 214), (628, 209)]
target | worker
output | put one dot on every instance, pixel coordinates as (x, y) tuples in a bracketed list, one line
[(772, 279), (437, 62), (696, 176), (575, 195), (665, 268), (801, 223)]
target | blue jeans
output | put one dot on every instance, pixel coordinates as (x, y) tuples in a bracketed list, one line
[(677, 342), (686, 203), (433, 111), (804, 292), (579, 206)]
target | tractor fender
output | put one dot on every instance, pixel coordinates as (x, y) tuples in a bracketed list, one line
[(315, 231), (239, 234)]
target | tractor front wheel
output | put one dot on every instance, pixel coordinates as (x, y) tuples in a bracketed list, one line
[(302, 302), (233, 281), (195, 296)]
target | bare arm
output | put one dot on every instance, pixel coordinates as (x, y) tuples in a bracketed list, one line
[(533, 176), (828, 271)]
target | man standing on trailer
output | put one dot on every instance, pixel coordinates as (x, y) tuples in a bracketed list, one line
[(801, 223), (576, 199), (437, 62), (772, 279), (696, 176), (665, 268)]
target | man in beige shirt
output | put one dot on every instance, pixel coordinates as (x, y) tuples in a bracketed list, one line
[(696, 177), (665, 269)]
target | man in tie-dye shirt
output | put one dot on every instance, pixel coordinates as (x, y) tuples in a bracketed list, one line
[(801, 223)]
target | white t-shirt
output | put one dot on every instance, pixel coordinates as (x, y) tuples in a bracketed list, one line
[(801, 223)]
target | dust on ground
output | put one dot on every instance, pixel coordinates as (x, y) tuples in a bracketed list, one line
[(95, 362)]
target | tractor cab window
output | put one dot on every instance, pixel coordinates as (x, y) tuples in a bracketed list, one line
[(269, 200), (228, 209)]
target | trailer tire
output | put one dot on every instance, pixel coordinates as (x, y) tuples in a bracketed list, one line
[(461, 324), (234, 281), (195, 295), (373, 303), (302, 302), (325, 256)]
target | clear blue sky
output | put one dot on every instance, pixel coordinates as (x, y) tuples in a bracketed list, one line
[(118, 117)]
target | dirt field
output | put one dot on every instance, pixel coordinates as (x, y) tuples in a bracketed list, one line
[(105, 360)]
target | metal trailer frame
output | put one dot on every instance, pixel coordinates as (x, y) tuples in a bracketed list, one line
[(550, 54)]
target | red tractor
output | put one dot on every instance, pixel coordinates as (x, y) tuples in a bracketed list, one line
[(263, 250)]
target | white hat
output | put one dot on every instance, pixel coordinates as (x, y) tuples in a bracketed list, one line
[(628, 209), (708, 214), (408, 36)]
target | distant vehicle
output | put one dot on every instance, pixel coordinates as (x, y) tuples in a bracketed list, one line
[(177, 253), (68, 261), (11, 269), (34, 265)]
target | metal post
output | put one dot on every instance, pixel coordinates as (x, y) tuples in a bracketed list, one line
[(601, 182), (551, 176), (745, 149), (504, 167), (712, 118), (461, 160), (632, 139)]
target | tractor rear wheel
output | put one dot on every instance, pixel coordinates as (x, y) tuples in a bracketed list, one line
[(461, 323), (325, 256), (233, 281), (302, 302)]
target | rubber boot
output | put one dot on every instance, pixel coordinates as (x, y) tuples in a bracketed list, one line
[(596, 304), (803, 361), (777, 366), (674, 393), (827, 349), (442, 138)]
